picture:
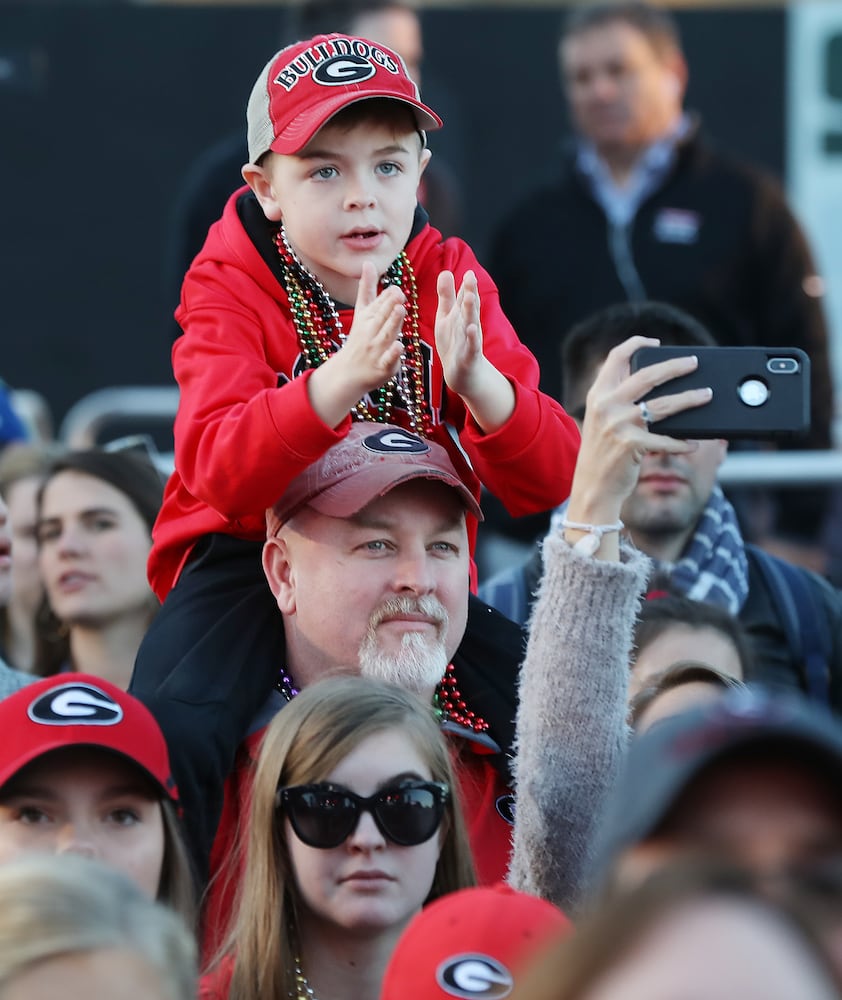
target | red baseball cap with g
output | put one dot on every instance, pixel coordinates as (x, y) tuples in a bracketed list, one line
[(368, 462), (305, 84), (81, 710), (471, 944)]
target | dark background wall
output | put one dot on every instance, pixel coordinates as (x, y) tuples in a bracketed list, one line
[(102, 110)]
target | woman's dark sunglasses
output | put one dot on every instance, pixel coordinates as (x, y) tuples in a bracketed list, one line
[(325, 815)]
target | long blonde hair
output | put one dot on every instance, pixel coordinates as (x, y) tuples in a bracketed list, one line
[(303, 744), (52, 906)]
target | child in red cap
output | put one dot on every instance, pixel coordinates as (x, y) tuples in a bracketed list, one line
[(321, 297)]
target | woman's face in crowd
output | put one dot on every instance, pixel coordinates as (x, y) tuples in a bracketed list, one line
[(367, 883), (86, 801), (26, 576), (5, 554), (93, 550), (684, 642)]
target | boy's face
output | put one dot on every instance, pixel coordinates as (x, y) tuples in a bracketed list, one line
[(348, 197)]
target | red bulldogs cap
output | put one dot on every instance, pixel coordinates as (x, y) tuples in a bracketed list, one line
[(305, 84), (76, 710), (472, 943), (368, 462)]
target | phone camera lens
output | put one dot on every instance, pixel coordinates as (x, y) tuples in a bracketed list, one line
[(753, 392), (782, 366)]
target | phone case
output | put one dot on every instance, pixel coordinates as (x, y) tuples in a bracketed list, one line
[(758, 392)]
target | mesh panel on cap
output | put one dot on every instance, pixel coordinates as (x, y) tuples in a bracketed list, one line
[(261, 134)]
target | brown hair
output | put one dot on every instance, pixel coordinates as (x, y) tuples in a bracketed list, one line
[(673, 676), (141, 482), (380, 111), (655, 23), (587, 343), (665, 607)]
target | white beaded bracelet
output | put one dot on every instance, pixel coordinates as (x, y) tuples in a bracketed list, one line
[(592, 539)]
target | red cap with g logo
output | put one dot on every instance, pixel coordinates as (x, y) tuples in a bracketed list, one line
[(74, 710), (305, 84)]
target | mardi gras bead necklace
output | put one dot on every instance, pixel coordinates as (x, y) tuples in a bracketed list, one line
[(448, 703), (320, 334), (303, 990)]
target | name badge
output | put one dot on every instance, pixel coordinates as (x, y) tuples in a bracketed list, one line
[(677, 225)]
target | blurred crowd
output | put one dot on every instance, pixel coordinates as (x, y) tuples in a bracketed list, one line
[(429, 665)]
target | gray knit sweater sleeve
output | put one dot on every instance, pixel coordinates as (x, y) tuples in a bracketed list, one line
[(571, 722)]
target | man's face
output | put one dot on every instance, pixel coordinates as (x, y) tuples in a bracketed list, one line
[(399, 29), (672, 490), (623, 95), (671, 493), (387, 587)]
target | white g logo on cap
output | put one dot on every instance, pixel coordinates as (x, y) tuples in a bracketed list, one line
[(342, 70), (473, 976)]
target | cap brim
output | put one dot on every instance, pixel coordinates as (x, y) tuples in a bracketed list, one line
[(29, 756), (351, 494), (302, 128), (647, 800)]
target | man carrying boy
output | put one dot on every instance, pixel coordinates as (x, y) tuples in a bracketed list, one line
[(336, 151), (274, 363)]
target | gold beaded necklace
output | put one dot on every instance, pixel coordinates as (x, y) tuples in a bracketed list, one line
[(303, 990), (320, 334)]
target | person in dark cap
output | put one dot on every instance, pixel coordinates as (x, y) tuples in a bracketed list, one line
[(754, 776)]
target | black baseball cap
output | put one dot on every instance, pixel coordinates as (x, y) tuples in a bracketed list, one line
[(663, 760)]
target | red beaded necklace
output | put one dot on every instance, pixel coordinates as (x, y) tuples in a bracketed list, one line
[(320, 334), (448, 703)]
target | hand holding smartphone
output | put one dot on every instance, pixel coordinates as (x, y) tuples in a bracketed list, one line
[(758, 392)]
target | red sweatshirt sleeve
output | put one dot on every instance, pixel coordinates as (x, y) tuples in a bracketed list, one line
[(527, 463)]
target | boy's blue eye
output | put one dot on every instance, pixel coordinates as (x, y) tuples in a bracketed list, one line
[(389, 168), (325, 172)]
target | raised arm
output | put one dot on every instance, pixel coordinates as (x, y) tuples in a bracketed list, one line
[(571, 721)]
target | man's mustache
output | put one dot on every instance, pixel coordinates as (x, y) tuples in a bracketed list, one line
[(428, 607)]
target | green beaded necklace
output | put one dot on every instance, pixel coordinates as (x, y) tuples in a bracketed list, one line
[(320, 334)]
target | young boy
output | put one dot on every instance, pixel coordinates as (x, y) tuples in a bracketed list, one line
[(323, 296), (336, 151)]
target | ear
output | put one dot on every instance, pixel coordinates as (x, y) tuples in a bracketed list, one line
[(260, 181), (277, 568), (675, 79), (723, 449), (426, 156)]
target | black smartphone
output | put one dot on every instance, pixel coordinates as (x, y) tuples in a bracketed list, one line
[(758, 392)]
